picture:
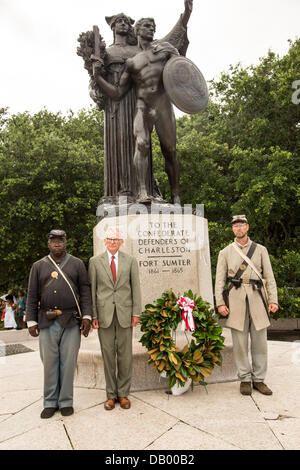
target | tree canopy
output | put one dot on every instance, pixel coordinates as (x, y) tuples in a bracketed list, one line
[(51, 173)]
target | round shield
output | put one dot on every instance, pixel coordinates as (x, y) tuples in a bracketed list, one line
[(185, 85)]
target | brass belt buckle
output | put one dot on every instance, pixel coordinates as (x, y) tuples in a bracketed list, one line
[(246, 280)]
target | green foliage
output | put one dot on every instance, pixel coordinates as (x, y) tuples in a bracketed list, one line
[(271, 200), (51, 172), (289, 303), (256, 104), (287, 268), (197, 359)]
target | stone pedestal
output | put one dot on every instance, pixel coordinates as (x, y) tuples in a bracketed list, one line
[(172, 251)]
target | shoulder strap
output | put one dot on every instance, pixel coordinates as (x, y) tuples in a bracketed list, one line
[(247, 259), (63, 275), (245, 262), (252, 265)]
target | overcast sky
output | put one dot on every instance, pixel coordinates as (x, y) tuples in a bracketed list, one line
[(40, 67)]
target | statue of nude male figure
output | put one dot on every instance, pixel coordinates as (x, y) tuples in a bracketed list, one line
[(153, 108)]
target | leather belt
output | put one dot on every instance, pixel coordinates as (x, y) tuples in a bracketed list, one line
[(59, 312), (238, 282), (52, 314), (254, 282)]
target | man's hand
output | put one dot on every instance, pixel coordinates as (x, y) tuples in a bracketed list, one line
[(223, 310), (95, 324), (34, 331), (134, 321), (273, 308), (85, 327)]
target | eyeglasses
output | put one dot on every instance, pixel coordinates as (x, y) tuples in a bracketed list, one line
[(113, 240), (239, 225)]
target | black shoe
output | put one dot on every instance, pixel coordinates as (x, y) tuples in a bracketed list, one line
[(48, 412), (67, 411)]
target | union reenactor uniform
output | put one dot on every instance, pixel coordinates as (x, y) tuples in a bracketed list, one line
[(59, 305), (248, 301)]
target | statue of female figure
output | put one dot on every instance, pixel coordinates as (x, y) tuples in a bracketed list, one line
[(119, 174)]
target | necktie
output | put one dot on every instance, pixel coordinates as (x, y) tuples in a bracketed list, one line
[(113, 269)]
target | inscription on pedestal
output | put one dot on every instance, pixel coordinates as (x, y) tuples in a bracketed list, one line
[(163, 248)]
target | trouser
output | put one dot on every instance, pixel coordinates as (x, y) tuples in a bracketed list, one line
[(259, 351), (116, 347), (59, 350)]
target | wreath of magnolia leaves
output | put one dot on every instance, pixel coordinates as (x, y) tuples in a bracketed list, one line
[(195, 361)]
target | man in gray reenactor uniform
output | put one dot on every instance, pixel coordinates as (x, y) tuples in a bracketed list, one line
[(248, 304)]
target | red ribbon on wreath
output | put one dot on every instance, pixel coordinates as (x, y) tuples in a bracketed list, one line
[(187, 306)]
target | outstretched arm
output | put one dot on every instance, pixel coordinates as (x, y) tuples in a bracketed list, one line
[(188, 8), (114, 92), (178, 35)]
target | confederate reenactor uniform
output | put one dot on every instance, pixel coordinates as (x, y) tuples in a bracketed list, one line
[(248, 302)]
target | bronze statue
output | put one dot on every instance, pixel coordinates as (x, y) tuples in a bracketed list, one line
[(153, 107), (129, 121)]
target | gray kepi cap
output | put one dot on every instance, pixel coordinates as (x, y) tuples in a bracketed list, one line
[(239, 218)]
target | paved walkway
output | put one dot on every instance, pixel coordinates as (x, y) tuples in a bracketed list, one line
[(217, 417)]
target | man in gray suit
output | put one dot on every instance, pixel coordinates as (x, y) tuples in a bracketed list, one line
[(116, 295)]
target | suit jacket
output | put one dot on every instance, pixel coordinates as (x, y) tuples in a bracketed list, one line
[(229, 262), (124, 296)]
